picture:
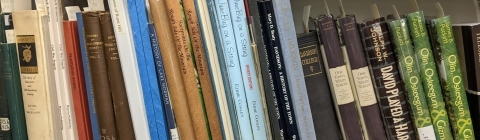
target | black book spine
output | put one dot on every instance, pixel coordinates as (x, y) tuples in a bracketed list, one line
[(275, 53), (471, 44), (270, 97), (388, 84)]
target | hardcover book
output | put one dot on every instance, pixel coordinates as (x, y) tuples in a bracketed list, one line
[(448, 65), (388, 85), (5, 129)]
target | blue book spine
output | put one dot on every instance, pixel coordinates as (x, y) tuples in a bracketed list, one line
[(146, 65), (293, 67), (223, 67), (163, 83), (248, 68), (88, 80), (233, 68)]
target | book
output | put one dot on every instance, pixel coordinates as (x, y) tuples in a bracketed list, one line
[(448, 65), (408, 68), (35, 67), (429, 75), (362, 80), (5, 129), (248, 69), (286, 32), (389, 87), (232, 62), (123, 118), (88, 79), (319, 94), (77, 81), (338, 78), (172, 69), (99, 75), (13, 88)]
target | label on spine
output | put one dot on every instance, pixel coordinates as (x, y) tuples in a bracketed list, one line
[(363, 84), (341, 85), (4, 124)]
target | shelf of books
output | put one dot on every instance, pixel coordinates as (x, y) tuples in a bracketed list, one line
[(239, 70)]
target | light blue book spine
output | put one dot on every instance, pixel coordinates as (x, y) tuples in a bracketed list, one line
[(88, 81), (223, 66), (146, 65), (293, 65), (248, 68), (233, 68)]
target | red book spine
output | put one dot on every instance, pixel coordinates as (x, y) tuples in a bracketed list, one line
[(77, 81)]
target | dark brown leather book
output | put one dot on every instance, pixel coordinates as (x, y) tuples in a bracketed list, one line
[(100, 80), (172, 69), (388, 84), (339, 79), (123, 118), (362, 79)]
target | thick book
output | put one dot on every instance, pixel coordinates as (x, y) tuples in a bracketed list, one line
[(319, 95), (248, 68), (293, 67), (121, 109), (184, 52), (448, 65), (429, 75), (35, 67), (388, 84), (360, 74), (338, 78), (99, 75), (5, 129), (232, 62), (277, 107), (217, 67), (203, 72), (172, 69), (88, 78), (77, 80), (13, 88), (164, 98), (409, 72)]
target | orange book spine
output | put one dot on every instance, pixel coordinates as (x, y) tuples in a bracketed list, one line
[(77, 81)]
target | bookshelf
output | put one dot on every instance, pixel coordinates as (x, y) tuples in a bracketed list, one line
[(361, 9)]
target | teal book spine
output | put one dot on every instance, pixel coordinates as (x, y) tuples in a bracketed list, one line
[(448, 65), (233, 68), (14, 91), (5, 128), (248, 68)]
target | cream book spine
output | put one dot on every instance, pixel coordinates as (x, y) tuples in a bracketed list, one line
[(39, 96)]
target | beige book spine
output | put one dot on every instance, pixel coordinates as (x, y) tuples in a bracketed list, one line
[(172, 69)]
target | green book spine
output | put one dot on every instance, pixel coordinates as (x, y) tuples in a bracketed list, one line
[(14, 91), (448, 65), (411, 78), (429, 75)]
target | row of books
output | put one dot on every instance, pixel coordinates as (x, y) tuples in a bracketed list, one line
[(231, 69)]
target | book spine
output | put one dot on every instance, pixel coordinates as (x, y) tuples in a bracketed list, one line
[(172, 69), (362, 80), (5, 128), (389, 87), (293, 66), (451, 77), (3, 38), (278, 65), (14, 91), (184, 52), (275, 107), (98, 68), (76, 80), (88, 79), (339, 80), (234, 70), (474, 92), (429, 75), (170, 117), (203, 71), (248, 68), (123, 118), (409, 71)]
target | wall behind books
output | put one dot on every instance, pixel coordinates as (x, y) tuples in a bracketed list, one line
[(461, 11)]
